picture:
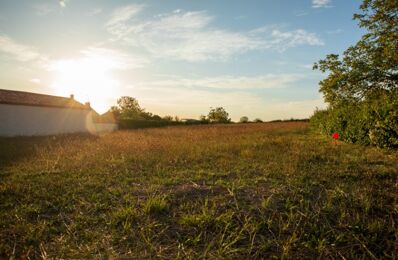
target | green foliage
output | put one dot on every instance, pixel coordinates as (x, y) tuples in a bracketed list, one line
[(369, 66), (384, 113), (130, 115), (244, 119), (374, 121), (127, 107), (218, 115), (168, 118), (360, 85), (150, 116), (143, 123), (203, 119), (135, 124)]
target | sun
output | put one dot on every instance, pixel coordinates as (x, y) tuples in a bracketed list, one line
[(88, 79)]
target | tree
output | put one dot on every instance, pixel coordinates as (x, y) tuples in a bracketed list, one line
[(258, 120), (203, 119), (115, 111), (370, 67), (146, 115), (127, 107), (244, 119), (168, 118), (156, 117), (362, 86), (218, 115)]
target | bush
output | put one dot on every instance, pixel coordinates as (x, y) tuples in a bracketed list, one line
[(142, 123), (244, 119), (370, 122), (135, 124), (384, 132)]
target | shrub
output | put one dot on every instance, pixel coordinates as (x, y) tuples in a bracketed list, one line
[(370, 122), (134, 124), (384, 114), (244, 119)]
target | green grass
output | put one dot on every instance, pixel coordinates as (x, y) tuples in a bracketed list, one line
[(272, 190)]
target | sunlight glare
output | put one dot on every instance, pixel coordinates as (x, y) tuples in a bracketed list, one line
[(89, 79)]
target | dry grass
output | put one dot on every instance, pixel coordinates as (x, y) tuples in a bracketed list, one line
[(230, 191)]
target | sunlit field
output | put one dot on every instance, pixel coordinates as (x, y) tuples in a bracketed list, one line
[(225, 191)]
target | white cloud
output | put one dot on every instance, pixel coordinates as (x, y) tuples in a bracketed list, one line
[(35, 80), (101, 58), (63, 3), (18, 51), (117, 22), (276, 39), (321, 3), (230, 82), (190, 36), (114, 59)]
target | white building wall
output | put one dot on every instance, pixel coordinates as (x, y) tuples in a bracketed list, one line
[(17, 120)]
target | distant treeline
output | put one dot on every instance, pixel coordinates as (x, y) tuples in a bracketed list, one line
[(140, 123), (290, 120), (129, 115)]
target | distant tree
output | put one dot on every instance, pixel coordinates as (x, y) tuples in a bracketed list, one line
[(203, 119), (168, 118), (146, 115), (177, 119), (218, 115), (244, 119), (115, 111), (258, 120), (127, 107), (156, 117)]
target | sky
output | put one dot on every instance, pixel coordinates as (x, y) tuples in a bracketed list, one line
[(177, 57)]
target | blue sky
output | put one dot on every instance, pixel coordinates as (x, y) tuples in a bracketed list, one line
[(176, 57)]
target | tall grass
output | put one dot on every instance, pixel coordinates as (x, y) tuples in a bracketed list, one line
[(226, 191)]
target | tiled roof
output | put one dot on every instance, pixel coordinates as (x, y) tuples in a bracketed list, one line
[(33, 99)]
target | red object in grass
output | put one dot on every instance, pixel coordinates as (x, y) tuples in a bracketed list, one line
[(335, 136)]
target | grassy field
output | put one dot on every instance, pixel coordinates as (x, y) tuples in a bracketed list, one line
[(272, 190)]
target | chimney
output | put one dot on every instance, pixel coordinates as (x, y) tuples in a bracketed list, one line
[(87, 104), (72, 96)]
